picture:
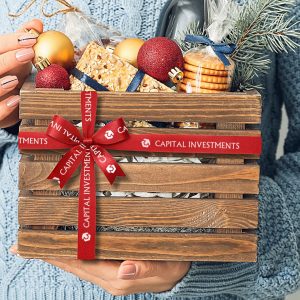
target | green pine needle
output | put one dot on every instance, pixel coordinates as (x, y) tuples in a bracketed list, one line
[(193, 29), (262, 26)]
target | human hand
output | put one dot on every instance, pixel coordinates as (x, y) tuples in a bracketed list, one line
[(128, 277), (125, 278), (16, 54)]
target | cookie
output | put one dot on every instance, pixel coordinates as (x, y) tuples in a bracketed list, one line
[(201, 58), (207, 78), (193, 90), (205, 71), (112, 72), (206, 85)]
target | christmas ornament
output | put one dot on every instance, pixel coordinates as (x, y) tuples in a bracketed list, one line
[(51, 76), (56, 47), (129, 49), (159, 56)]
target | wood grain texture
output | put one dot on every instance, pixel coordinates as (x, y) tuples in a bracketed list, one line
[(143, 212), (141, 177), (142, 246), (166, 107), (234, 161)]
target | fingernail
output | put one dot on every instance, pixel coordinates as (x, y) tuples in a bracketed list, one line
[(9, 82), (14, 249), (27, 39), (13, 101), (127, 271), (25, 55)]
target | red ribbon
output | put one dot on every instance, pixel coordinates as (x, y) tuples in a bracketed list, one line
[(85, 150), (92, 148)]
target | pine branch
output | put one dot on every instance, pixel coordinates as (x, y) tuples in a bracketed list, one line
[(244, 78), (263, 25)]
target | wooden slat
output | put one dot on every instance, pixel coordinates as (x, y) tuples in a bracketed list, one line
[(167, 107), (143, 212), (143, 246), (141, 177)]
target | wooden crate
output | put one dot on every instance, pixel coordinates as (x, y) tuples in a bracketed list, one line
[(229, 218)]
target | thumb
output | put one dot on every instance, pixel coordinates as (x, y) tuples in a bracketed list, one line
[(33, 24), (129, 270)]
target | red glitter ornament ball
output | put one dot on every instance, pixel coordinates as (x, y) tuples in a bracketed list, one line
[(53, 77), (158, 56)]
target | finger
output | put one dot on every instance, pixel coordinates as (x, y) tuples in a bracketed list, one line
[(14, 249), (139, 269), (33, 24), (7, 84), (15, 41), (13, 59), (8, 106), (146, 269)]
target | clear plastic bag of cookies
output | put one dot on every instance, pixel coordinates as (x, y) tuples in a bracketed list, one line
[(204, 72), (208, 67), (83, 29)]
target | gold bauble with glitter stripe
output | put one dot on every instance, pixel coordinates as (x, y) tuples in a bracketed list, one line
[(56, 47)]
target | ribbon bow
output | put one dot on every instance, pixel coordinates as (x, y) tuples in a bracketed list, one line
[(85, 150), (89, 145), (220, 49)]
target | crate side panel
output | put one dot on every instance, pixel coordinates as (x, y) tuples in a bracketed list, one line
[(227, 107), (145, 177), (143, 246), (143, 212)]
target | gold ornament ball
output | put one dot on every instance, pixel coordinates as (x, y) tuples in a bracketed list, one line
[(129, 49), (56, 47)]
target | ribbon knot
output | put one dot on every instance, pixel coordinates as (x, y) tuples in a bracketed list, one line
[(220, 49), (88, 142)]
